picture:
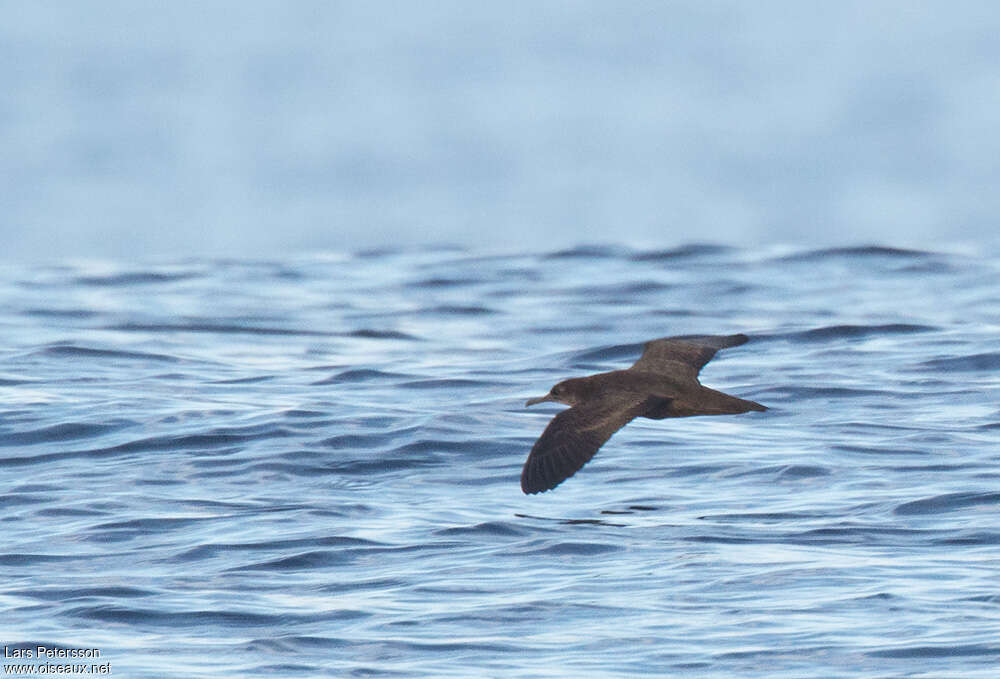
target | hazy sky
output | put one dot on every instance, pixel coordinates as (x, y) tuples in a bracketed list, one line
[(146, 129)]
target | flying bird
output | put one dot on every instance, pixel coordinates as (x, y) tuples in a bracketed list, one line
[(662, 383)]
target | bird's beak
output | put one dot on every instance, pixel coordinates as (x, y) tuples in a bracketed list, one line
[(540, 399)]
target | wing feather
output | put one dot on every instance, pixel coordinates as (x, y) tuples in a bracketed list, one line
[(573, 437), (683, 356)]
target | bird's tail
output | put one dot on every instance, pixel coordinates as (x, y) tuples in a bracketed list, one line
[(717, 403)]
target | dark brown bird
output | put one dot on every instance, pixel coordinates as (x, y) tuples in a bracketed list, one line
[(662, 383)]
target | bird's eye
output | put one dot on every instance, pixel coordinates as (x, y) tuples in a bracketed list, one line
[(555, 390)]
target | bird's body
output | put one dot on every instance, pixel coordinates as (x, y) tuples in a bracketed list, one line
[(662, 383)]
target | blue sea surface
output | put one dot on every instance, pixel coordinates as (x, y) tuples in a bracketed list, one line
[(309, 466)]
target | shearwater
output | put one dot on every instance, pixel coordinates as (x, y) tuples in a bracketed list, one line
[(662, 383)]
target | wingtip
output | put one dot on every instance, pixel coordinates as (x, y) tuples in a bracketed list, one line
[(729, 341), (528, 489), (539, 489), (533, 484), (714, 341), (535, 480)]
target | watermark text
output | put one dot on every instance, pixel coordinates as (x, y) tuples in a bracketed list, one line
[(32, 660)]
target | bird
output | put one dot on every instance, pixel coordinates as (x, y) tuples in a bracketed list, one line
[(662, 383)]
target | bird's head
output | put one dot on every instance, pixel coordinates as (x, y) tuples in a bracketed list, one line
[(569, 392)]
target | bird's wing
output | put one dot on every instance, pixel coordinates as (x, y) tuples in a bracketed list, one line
[(683, 356), (574, 435)]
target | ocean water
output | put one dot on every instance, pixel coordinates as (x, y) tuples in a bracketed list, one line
[(309, 467)]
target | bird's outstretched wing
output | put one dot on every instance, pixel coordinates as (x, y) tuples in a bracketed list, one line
[(575, 435), (683, 356)]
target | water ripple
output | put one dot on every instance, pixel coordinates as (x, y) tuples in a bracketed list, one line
[(314, 464), (947, 503)]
